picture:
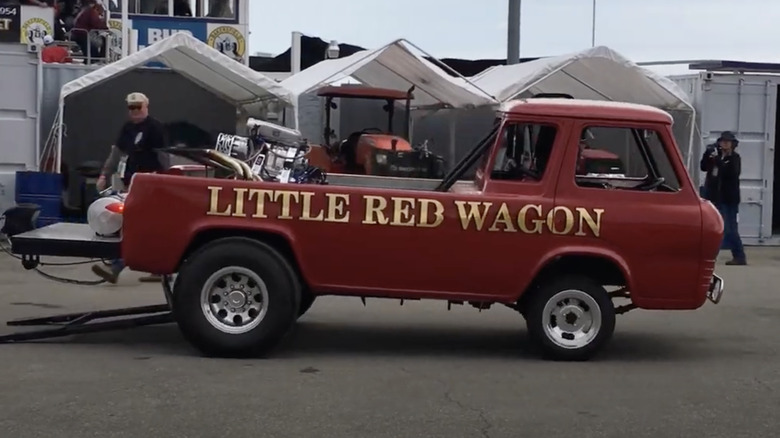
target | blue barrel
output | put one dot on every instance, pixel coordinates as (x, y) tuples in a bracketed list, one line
[(38, 183), (43, 189)]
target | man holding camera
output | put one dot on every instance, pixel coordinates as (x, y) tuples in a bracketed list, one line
[(721, 186)]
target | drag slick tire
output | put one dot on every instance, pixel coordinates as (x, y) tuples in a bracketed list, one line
[(236, 297), (570, 318)]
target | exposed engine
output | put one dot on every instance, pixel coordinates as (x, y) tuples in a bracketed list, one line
[(273, 152)]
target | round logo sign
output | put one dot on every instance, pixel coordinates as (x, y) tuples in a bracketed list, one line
[(115, 26), (34, 29), (229, 41)]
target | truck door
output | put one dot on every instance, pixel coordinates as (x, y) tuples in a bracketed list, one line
[(657, 230)]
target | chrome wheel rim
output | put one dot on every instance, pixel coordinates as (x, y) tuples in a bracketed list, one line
[(571, 319), (234, 300)]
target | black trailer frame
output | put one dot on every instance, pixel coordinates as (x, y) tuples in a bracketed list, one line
[(78, 240), (65, 239)]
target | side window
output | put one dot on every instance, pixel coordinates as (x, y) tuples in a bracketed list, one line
[(524, 151), (217, 8), (623, 158), (607, 152)]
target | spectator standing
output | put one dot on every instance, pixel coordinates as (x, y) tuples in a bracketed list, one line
[(724, 167)]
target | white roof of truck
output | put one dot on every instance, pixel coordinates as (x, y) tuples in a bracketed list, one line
[(508, 106)]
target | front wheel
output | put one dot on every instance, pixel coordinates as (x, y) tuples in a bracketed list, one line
[(570, 318), (236, 297)]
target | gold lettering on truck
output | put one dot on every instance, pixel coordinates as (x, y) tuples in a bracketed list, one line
[(374, 207), (337, 207), (240, 198), (260, 197), (503, 217), (306, 214), (472, 213), (404, 211), (586, 218), (425, 213), (287, 197), (523, 220), (402, 214), (214, 203), (568, 225)]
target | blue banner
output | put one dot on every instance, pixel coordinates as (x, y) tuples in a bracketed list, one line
[(154, 29)]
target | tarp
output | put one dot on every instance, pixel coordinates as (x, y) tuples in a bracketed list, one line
[(197, 61), (393, 66), (598, 73)]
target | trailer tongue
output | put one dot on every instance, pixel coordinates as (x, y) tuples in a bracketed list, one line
[(77, 240)]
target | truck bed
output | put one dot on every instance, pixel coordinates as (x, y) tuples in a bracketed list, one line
[(390, 182), (65, 240)]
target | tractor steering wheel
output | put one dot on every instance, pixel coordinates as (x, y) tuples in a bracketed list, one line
[(366, 130)]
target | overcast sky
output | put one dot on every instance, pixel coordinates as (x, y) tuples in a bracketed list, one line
[(747, 30)]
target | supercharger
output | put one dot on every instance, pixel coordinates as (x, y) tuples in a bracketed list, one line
[(281, 154), (274, 134)]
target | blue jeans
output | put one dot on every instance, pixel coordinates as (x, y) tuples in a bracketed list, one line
[(731, 239), (117, 266)]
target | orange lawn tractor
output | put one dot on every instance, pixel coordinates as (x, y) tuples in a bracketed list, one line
[(373, 151)]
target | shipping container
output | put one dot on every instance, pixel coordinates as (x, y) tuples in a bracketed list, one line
[(19, 117), (746, 104)]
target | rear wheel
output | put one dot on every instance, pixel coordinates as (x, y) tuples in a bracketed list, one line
[(236, 297), (570, 318)]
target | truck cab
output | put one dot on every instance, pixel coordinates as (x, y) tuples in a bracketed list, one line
[(528, 231)]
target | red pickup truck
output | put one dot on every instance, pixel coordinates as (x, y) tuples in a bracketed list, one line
[(526, 231)]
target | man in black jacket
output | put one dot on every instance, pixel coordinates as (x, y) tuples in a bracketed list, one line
[(140, 139), (721, 186)]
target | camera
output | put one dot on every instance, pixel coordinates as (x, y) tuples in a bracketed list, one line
[(713, 150)]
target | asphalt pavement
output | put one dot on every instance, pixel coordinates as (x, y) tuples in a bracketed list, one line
[(386, 370)]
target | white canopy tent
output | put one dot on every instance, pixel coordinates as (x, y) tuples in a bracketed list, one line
[(236, 83), (394, 66), (598, 73)]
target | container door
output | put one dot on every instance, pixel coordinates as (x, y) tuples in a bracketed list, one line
[(18, 114), (745, 106)]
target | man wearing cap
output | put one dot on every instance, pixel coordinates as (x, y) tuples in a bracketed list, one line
[(724, 166), (139, 141)]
